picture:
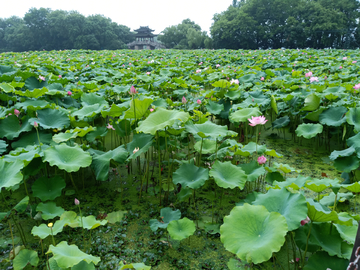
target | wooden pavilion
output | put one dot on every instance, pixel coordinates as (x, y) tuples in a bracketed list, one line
[(145, 39)]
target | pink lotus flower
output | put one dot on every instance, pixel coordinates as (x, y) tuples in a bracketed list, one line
[(262, 78), (261, 160), (132, 90), (198, 101), (69, 93), (60, 76), (217, 65), (198, 70), (314, 79), (183, 100), (41, 78), (151, 110), (236, 81), (304, 221), (17, 112), (354, 62), (357, 86), (136, 149), (148, 73), (76, 201), (110, 127), (309, 74), (344, 58), (258, 120), (340, 67), (36, 124)]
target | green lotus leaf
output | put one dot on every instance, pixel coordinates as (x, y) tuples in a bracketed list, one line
[(68, 158), (31, 138), (272, 177), (353, 118), (32, 104), (50, 119), (141, 142), (44, 231), (252, 170), (316, 262), (32, 82), (308, 130), (10, 173), (253, 233), (11, 127), (97, 133), (3, 146), (181, 229), (227, 175), (189, 175), (81, 132), (115, 111), (344, 153), (319, 213), (25, 154), (281, 122), (71, 219), (319, 185), (101, 161), (167, 215), (312, 102), (243, 115), (160, 119), (273, 153), (67, 256), (21, 206), (354, 187), (347, 164), (88, 111), (92, 99), (354, 141), (7, 88), (294, 183), (36, 93), (83, 266), (90, 222), (314, 116), (291, 205), (141, 107), (214, 108), (330, 199), (114, 217), (24, 258), (49, 210), (285, 168), (184, 194), (334, 116), (48, 188), (347, 233), (233, 94), (208, 146), (247, 78), (207, 129), (63, 137), (234, 264), (251, 148), (136, 266)]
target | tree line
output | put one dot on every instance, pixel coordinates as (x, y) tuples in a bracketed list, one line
[(44, 29)]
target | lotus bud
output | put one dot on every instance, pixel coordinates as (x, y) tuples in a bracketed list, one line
[(76, 201)]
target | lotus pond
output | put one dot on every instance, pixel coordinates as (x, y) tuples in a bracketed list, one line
[(179, 159)]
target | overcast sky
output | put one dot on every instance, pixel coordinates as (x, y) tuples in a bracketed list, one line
[(157, 14)]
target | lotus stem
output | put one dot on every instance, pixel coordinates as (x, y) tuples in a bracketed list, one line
[(12, 237), (82, 225), (134, 110), (307, 244), (159, 156), (72, 181), (202, 140)]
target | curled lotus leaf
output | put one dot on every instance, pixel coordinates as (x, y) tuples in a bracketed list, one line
[(181, 229), (308, 131), (334, 116), (227, 175)]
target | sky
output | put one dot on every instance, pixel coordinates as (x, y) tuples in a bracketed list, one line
[(157, 14)]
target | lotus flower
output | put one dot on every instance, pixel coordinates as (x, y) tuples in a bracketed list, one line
[(258, 120), (236, 81), (36, 124), (76, 201), (198, 101), (261, 160), (17, 112), (69, 93), (183, 100), (110, 127), (136, 149), (132, 90), (41, 78), (357, 86), (314, 79), (198, 70), (262, 78), (60, 76), (309, 74), (303, 222)]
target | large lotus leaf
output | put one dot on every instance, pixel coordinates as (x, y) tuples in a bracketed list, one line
[(334, 116), (97, 133), (31, 138), (67, 256), (21, 206), (272, 177), (291, 205), (92, 98), (36, 93), (141, 142), (24, 258), (312, 102), (347, 233), (48, 188), (319, 185), (354, 141), (63, 137), (354, 187), (208, 146), (285, 168), (3, 146), (316, 262), (353, 118), (49, 210), (160, 119), (114, 111), (340, 197), (207, 129), (181, 229), (10, 173), (11, 127), (250, 148), (243, 115), (44, 231), (116, 216), (80, 132), (83, 266), (51, 119), (314, 116), (25, 154), (227, 175), (68, 158), (343, 153), (90, 222), (253, 233), (281, 122), (347, 164), (214, 108), (319, 213), (308, 130), (189, 175), (252, 170), (32, 82), (273, 153), (101, 161), (233, 94), (141, 107), (88, 111), (71, 219), (167, 215)]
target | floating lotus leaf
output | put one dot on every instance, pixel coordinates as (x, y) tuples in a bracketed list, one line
[(140, 141), (189, 175), (253, 233), (308, 130), (160, 119), (207, 129), (181, 229), (31, 138), (316, 262), (334, 116), (214, 108), (44, 231), (167, 215), (68, 158), (344, 153), (319, 213), (208, 146), (281, 122), (114, 217), (24, 258), (252, 170), (49, 210), (11, 128), (291, 205), (347, 164), (141, 107), (67, 256), (243, 115), (10, 173), (90, 222), (353, 118), (319, 185), (227, 175), (51, 119), (312, 102)]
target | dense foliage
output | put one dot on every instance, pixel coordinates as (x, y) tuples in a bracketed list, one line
[(58, 30), (253, 24)]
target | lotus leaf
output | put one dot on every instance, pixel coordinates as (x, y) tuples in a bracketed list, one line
[(319, 213), (354, 187), (49, 210), (63, 137), (347, 164), (227, 175), (353, 118), (141, 107), (92, 99), (181, 229), (344, 153), (167, 215), (189, 175), (252, 170), (312, 102), (354, 141), (207, 129), (308, 130), (319, 185), (32, 82), (10, 173), (31, 138), (281, 122), (243, 115), (208, 146), (334, 116), (44, 231), (51, 119), (136, 266), (316, 262), (140, 141), (114, 217), (214, 108), (88, 111), (89, 222), (24, 258), (21, 206), (253, 233), (11, 127), (347, 233), (83, 265)]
